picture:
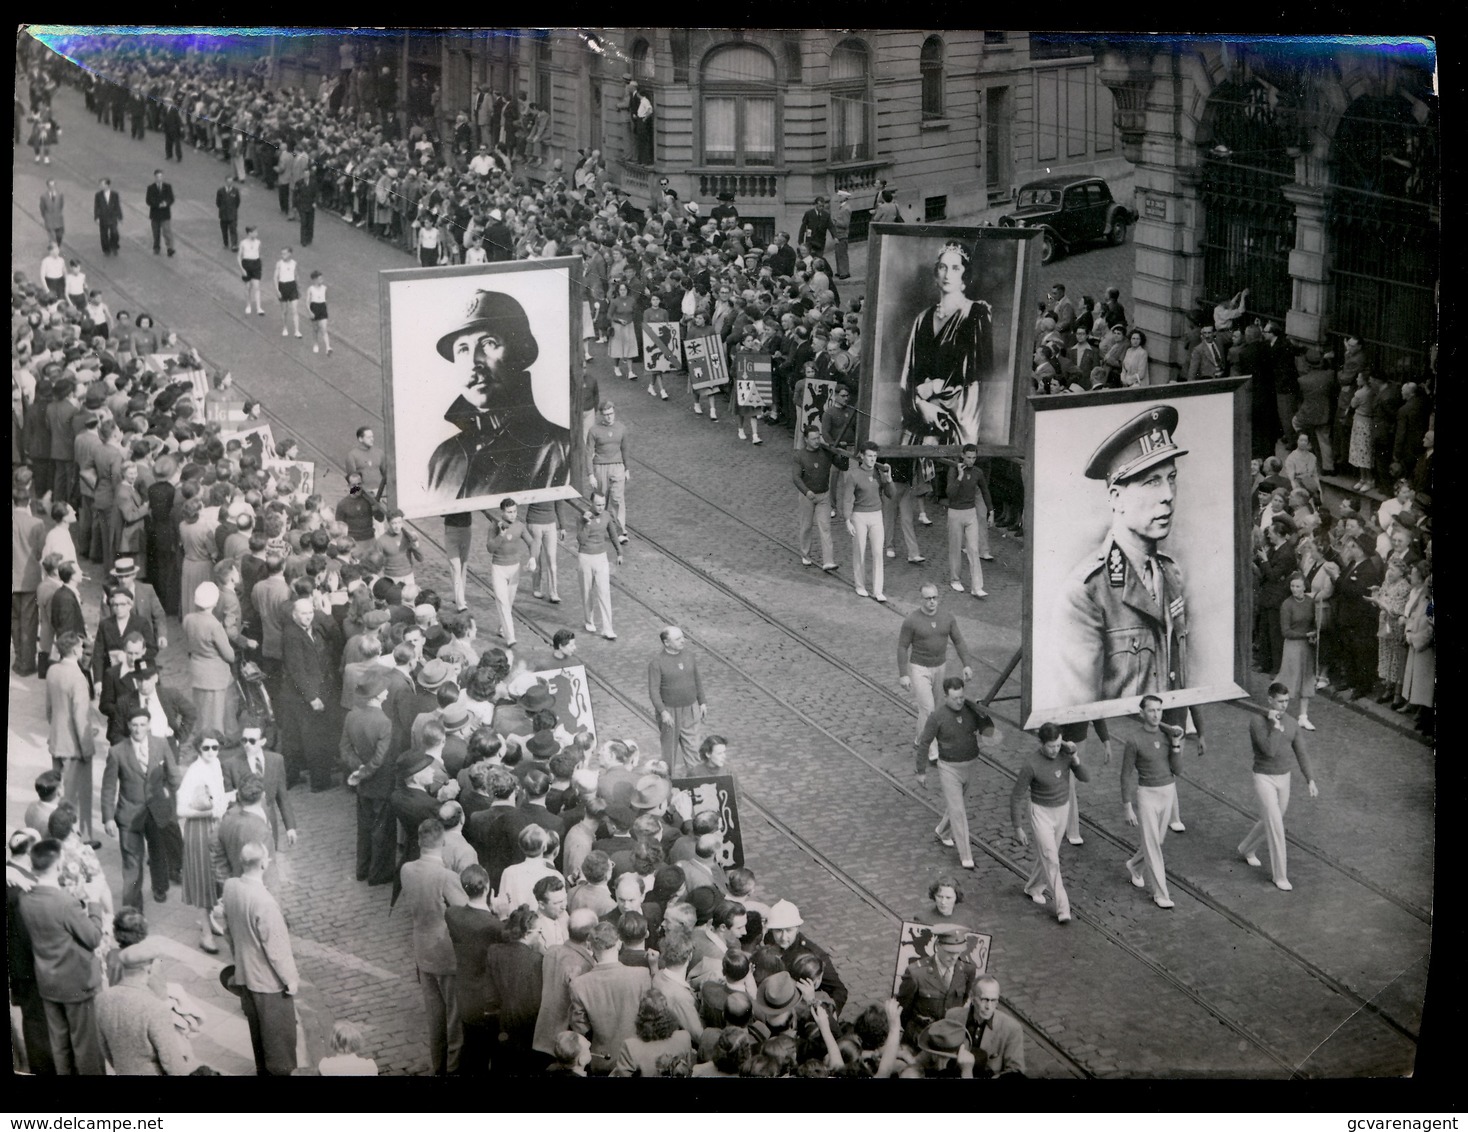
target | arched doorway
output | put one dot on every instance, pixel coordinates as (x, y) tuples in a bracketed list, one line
[(1248, 226), (1385, 242)]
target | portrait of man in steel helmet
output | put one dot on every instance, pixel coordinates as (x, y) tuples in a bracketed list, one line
[(504, 443)]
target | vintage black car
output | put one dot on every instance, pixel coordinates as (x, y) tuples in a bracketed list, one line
[(1070, 211)]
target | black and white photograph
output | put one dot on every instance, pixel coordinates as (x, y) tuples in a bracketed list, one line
[(590, 551), (1136, 559), (480, 395), (944, 338)]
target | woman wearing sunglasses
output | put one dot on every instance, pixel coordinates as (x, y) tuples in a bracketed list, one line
[(201, 804)]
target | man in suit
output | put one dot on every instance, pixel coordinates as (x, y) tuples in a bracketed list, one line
[(366, 752), (66, 402), (300, 172), (138, 804), (997, 1042), (27, 534), (53, 205), (939, 981), (227, 205), (113, 631), (1078, 362), (1207, 359), (173, 135), (69, 720), (107, 212), (264, 965), (134, 677), (412, 803), (308, 699), (1356, 617), (429, 890), (64, 935), (561, 964), (270, 767), (483, 115), (35, 1031), (604, 1000), (160, 203), (472, 928), (306, 206), (814, 226), (271, 597)]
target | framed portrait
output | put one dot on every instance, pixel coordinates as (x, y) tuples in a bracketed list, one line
[(572, 693), (662, 346), (946, 339), (482, 383), (716, 792), (1138, 555), (704, 349), (915, 941), (258, 441)]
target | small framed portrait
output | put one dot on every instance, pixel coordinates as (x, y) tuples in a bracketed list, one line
[(1138, 555), (945, 348), (482, 383)]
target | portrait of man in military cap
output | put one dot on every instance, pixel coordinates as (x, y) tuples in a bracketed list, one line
[(480, 396), (1134, 561)]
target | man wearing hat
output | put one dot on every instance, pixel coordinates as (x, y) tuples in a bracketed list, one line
[(840, 232), (146, 605), (504, 443), (725, 208), (783, 931), (365, 748), (1121, 624), (943, 1051), (815, 225), (309, 698), (138, 789), (939, 981)]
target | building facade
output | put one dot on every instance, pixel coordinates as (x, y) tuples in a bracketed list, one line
[(1308, 173)]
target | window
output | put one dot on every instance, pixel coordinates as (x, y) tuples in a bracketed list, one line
[(737, 98), (935, 208), (931, 67), (996, 38), (642, 69), (1059, 47), (850, 122), (543, 47)]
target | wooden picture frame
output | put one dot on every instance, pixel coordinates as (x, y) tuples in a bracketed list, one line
[(1077, 593), (903, 352), (444, 453)]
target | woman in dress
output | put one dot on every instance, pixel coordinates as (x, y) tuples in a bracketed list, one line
[(201, 804), (1363, 409), (132, 513), (199, 552), (1419, 677), (1134, 361), (950, 351), (1391, 638), (1319, 574), (250, 271), (210, 657), (1297, 663), (653, 315), (288, 292), (623, 310)]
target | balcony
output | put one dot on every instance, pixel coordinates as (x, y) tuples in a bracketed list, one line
[(858, 177), (742, 185)]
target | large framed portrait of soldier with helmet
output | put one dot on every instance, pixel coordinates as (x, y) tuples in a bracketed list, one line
[(1137, 505), (481, 381), (945, 339)]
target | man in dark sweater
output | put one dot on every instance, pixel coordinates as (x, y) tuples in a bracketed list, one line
[(1276, 739), (357, 511), (813, 482), (677, 699), (961, 731), (968, 531)]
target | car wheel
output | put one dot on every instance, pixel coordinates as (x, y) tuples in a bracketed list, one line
[(1049, 248), (1118, 231)]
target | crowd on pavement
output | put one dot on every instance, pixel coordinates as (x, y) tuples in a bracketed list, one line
[(567, 916)]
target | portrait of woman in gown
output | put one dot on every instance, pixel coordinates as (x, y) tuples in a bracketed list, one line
[(950, 353)]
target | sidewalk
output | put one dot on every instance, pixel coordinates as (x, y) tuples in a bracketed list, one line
[(224, 1042)]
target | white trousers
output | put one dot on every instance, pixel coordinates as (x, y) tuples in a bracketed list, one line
[(505, 580), (596, 587), (1273, 792), (1047, 825), (1154, 807), (927, 685), (867, 540), (543, 558)]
